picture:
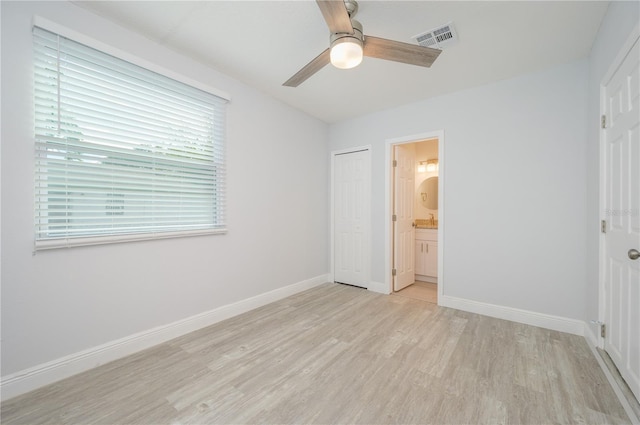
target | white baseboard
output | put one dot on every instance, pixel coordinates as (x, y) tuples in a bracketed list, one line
[(379, 287), (428, 279), (541, 320), (64, 367)]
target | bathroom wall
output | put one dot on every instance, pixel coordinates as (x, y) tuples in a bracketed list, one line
[(424, 150)]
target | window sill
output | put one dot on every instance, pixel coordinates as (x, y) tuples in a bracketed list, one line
[(48, 244)]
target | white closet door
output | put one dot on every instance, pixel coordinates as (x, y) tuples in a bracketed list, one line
[(351, 217)]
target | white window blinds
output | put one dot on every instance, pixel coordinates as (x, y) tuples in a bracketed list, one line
[(122, 153)]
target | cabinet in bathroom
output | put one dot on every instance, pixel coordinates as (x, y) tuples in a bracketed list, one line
[(427, 252)]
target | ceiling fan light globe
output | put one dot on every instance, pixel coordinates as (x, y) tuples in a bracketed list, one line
[(346, 53)]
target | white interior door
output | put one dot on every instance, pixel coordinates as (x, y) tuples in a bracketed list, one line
[(404, 234), (621, 137), (351, 177)]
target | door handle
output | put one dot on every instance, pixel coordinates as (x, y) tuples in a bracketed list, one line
[(413, 224), (634, 254)]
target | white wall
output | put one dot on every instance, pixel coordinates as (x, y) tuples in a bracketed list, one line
[(515, 173), (620, 20), (61, 302)]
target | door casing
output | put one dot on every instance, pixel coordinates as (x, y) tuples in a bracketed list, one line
[(388, 213)]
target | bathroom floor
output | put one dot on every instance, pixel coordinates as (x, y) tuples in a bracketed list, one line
[(424, 291)]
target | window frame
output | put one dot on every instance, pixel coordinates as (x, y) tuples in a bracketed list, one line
[(45, 243)]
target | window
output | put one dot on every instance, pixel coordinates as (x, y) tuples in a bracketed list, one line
[(122, 152)]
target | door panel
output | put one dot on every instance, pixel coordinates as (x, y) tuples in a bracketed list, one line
[(351, 205), (622, 212), (431, 258), (404, 230)]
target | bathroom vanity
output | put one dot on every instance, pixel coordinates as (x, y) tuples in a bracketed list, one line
[(426, 255)]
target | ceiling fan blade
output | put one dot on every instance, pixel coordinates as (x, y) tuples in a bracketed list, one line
[(397, 51), (336, 15), (309, 69)]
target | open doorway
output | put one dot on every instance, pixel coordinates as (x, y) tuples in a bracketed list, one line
[(415, 210)]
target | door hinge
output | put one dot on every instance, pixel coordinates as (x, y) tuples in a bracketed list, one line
[(394, 218), (395, 163), (603, 331), (603, 121), (393, 272), (603, 226)]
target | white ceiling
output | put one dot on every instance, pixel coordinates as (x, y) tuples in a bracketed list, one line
[(263, 43)]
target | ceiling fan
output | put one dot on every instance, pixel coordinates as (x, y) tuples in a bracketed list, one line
[(348, 44)]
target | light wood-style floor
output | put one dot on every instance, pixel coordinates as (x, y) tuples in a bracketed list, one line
[(424, 291), (338, 354)]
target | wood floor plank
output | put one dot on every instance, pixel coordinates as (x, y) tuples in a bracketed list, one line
[(338, 354)]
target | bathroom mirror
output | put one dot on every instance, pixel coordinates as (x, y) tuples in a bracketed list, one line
[(428, 193)]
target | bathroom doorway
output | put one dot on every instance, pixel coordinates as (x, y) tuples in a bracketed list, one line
[(415, 211)]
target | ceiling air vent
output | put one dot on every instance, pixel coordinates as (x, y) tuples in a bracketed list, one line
[(438, 38)]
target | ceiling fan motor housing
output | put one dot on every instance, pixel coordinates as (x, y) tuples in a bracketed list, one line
[(352, 7), (357, 34), (347, 49)]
